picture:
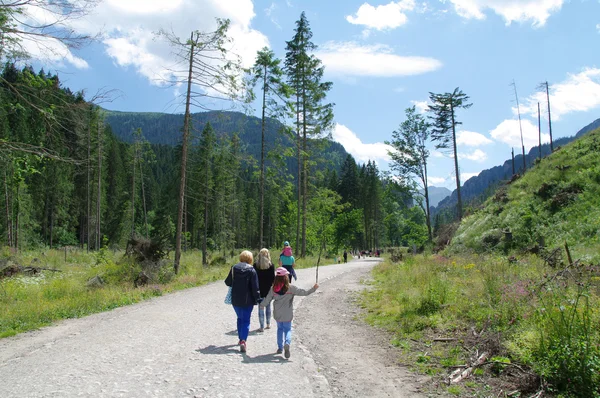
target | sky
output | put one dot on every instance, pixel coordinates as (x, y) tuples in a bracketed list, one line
[(382, 58)]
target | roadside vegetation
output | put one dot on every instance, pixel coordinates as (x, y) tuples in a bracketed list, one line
[(52, 285), (511, 306)]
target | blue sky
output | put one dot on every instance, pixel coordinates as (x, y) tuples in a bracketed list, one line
[(381, 56)]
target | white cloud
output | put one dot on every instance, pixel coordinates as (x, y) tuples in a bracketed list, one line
[(435, 181), (598, 27), (437, 154), (509, 133), (40, 22), (470, 138), (349, 58), (362, 152), (269, 11), (128, 30), (536, 11), (578, 93), (477, 156), (388, 16), (421, 106), (52, 52)]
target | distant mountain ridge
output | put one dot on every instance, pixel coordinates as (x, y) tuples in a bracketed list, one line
[(437, 194), (165, 129), (484, 184)]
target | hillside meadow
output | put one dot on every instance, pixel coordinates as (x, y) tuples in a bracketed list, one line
[(514, 300)]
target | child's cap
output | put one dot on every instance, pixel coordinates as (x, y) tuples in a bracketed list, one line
[(281, 271), (286, 243)]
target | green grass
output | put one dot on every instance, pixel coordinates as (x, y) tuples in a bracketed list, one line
[(556, 200), (531, 315), (30, 302)]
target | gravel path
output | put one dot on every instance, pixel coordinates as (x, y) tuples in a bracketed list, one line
[(184, 345)]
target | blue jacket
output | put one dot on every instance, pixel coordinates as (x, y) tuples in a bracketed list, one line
[(244, 282)]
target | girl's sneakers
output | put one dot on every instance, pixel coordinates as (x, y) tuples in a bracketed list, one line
[(279, 351), (243, 346)]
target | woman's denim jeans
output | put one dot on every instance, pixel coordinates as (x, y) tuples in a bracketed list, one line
[(261, 315)]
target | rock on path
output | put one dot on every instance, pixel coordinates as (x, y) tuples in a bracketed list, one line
[(185, 345)]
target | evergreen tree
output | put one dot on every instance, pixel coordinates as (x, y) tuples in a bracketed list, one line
[(444, 124), (348, 184), (275, 94), (314, 117)]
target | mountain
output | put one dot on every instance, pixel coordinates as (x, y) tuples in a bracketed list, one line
[(437, 194), (554, 202), (165, 128), (476, 189)]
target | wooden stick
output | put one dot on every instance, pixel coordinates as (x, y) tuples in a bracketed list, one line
[(467, 372), (568, 253)]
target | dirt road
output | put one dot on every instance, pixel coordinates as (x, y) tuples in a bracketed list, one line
[(184, 345)]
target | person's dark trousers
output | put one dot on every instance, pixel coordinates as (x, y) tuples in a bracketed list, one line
[(243, 321)]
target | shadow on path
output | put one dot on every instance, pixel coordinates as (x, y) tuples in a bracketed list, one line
[(266, 358), (216, 350)]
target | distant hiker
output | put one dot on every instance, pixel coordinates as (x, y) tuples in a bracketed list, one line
[(287, 249), (345, 256), (244, 294), (282, 293), (266, 275), (288, 262)]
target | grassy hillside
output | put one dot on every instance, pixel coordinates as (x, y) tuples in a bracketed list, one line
[(556, 201)]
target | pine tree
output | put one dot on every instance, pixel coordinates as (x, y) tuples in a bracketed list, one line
[(444, 124), (275, 94), (313, 116)]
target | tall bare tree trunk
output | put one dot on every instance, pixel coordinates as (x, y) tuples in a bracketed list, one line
[(549, 118), (184, 145), (304, 178), (133, 193), (89, 179), (299, 145), (262, 163), (459, 207), (9, 238), (520, 127), (17, 218), (144, 201), (427, 211), (205, 237), (540, 131), (99, 194)]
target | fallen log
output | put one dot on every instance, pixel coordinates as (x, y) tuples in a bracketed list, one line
[(467, 372)]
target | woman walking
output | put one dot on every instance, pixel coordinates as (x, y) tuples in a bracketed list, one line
[(244, 294), (266, 275)]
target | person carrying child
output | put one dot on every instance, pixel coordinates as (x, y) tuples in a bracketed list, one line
[(287, 260), (282, 294)]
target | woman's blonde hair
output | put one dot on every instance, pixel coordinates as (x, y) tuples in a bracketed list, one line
[(264, 259), (246, 257)]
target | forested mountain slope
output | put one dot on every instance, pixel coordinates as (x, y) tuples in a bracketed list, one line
[(164, 128), (477, 189), (556, 201)]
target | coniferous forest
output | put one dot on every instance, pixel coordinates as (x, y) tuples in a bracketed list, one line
[(70, 180)]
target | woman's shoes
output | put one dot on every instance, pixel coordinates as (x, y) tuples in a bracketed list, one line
[(243, 346), (268, 326), (260, 330)]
